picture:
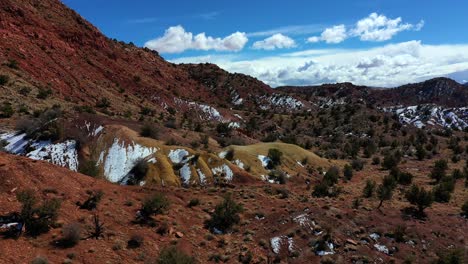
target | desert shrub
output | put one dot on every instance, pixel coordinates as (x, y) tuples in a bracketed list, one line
[(324, 189), (420, 198), (37, 219), (97, 229), (40, 260), (464, 209), (4, 79), (457, 174), (400, 177), (332, 175), (103, 103), (45, 125), (375, 160), (453, 256), (326, 186), (145, 111), (172, 255), (225, 216), (399, 234), (443, 191), (275, 156), (223, 129), (420, 152), (282, 193), (348, 172), (171, 123), (385, 190), (405, 178), (384, 193), (135, 241), (89, 167), (193, 202), (357, 164), (24, 90), (439, 170), (229, 154), (278, 176), (155, 204), (368, 191), (94, 197), (3, 144), (138, 172), (44, 93), (13, 64), (71, 235), (246, 258), (6, 110), (391, 160), (149, 130)]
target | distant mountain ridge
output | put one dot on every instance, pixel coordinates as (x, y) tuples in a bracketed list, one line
[(441, 91)]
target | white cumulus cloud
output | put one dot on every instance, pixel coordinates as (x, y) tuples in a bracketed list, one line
[(334, 34), (177, 40), (384, 66), (375, 27), (277, 41)]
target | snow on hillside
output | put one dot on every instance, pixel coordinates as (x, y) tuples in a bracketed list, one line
[(265, 160), (92, 129), (204, 111), (282, 101), (63, 154), (424, 115), (177, 156), (225, 170), (121, 157)]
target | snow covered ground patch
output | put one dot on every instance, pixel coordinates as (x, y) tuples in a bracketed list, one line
[(382, 248), (265, 160), (423, 115), (15, 143), (177, 156), (120, 159), (278, 242), (281, 101), (224, 169), (239, 164), (202, 177), (63, 154), (185, 174)]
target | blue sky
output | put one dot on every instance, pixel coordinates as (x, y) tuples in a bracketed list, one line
[(372, 42)]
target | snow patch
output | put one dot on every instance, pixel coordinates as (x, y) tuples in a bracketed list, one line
[(185, 174), (202, 177), (239, 164), (120, 159), (223, 154), (427, 114), (282, 101), (177, 156), (234, 125), (277, 242), (304, 221), (265, 160), (16, 143), (374, 236), (382, 248), (224, 169), (330, 250), (63, 154)]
